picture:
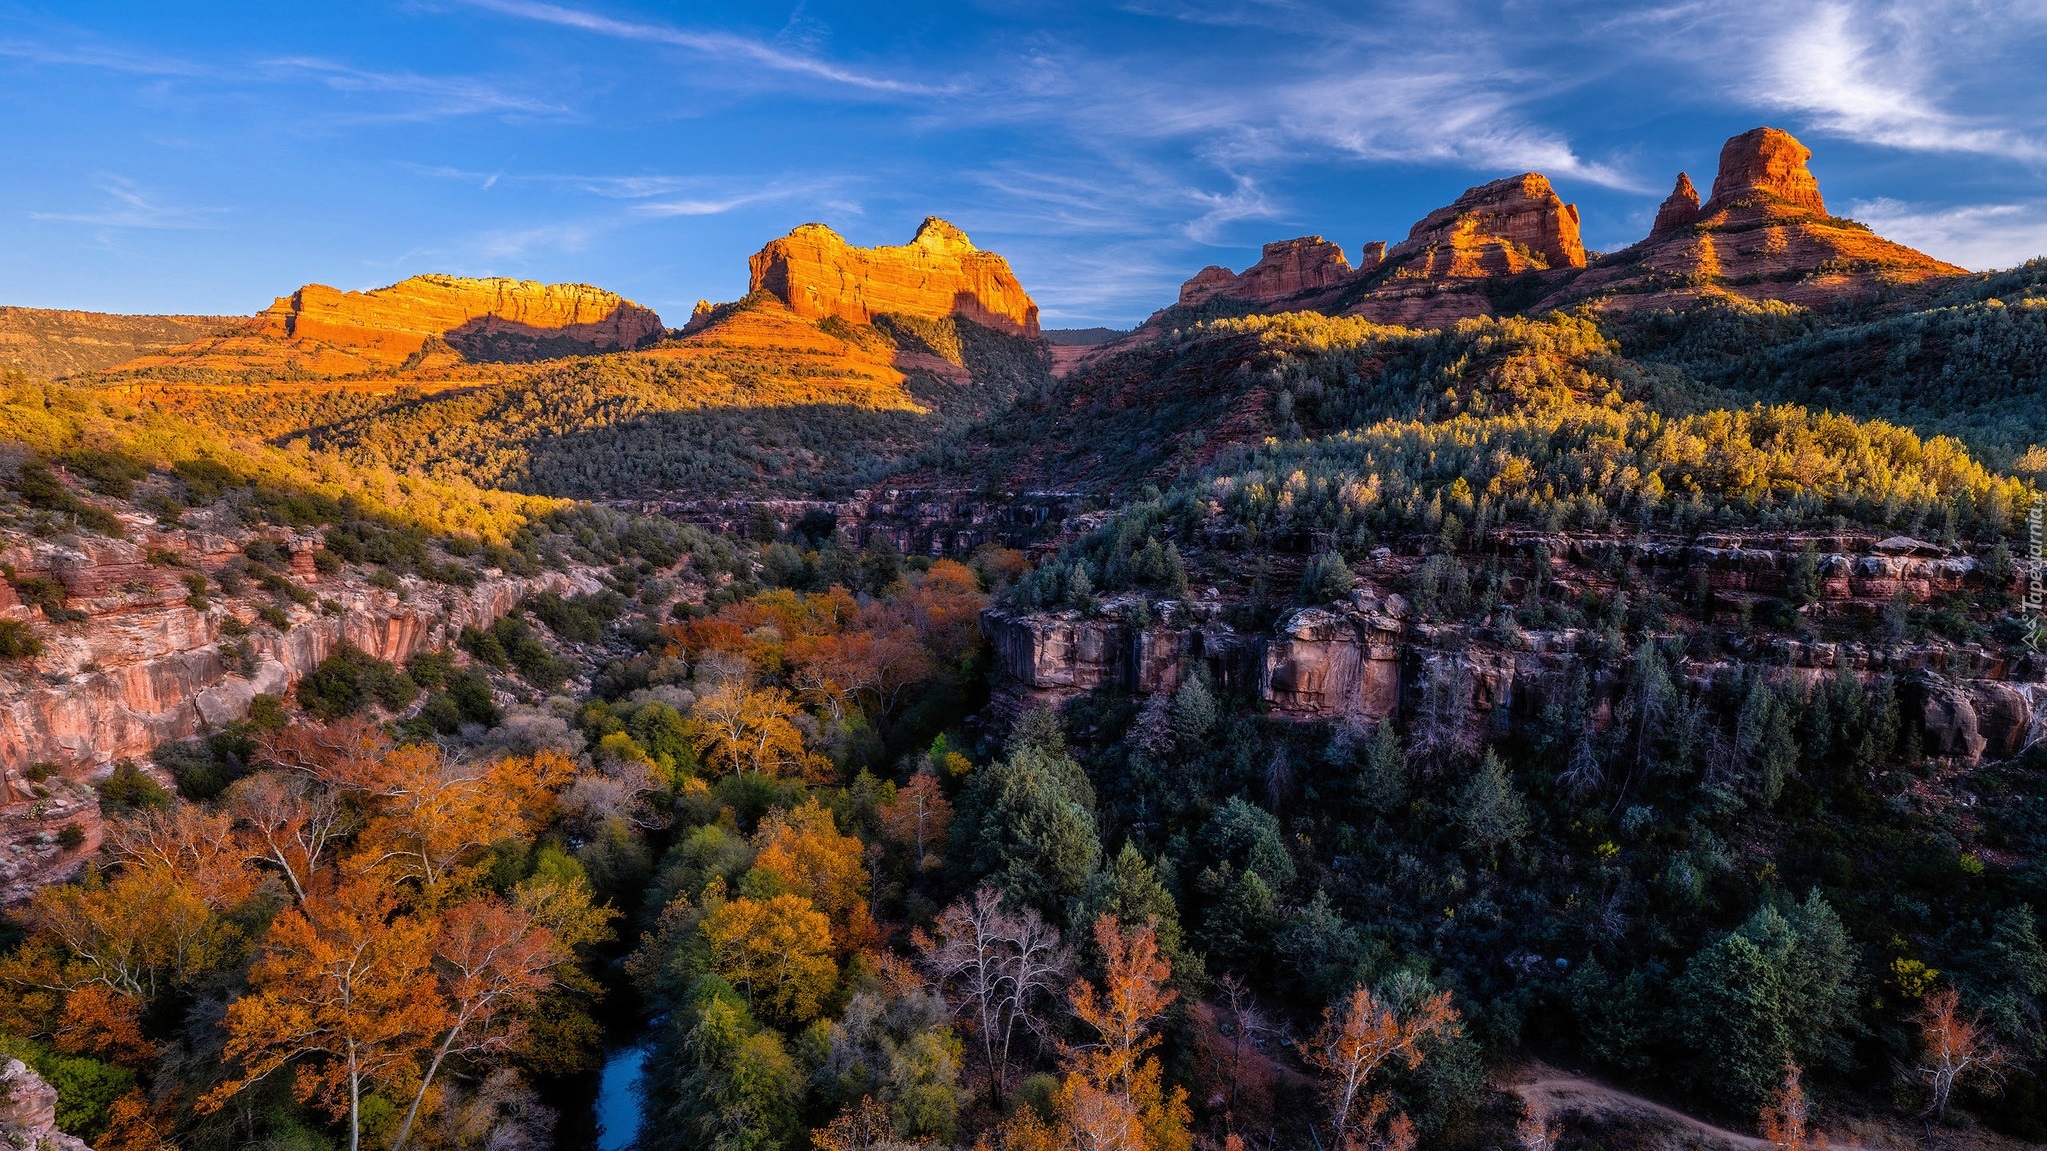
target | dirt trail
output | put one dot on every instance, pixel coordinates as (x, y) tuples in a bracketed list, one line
[(1566, 1096)]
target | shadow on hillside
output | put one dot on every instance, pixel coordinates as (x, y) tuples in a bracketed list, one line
[(824, 450), (493, 340)]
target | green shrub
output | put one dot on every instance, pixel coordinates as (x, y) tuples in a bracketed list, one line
[(1326, 578), (206, 480), (17, 641), (71, 836), (350, 680), (127, 789), (110, 473)]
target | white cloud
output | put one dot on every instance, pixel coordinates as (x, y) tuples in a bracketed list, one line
[(717, 45), (1980, 237), (1886, 72), (131, 207), (428, 97)]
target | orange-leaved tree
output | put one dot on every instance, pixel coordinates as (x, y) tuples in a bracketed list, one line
[(1785, 1118), (494, 961), (918, 818), (343, 990), (1954, 1049), (1357, 1038), (746, 730), (805, 850), (1113, 1095)]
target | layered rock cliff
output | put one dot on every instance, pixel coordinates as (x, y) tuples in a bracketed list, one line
[(1369, 658), (423, 321), (49, 343), (815, 273), (141, 663), (1286, 270)]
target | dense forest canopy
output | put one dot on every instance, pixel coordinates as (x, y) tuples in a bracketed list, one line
[(779, 809)]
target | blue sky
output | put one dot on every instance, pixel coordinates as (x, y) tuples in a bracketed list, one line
[(207, 157)]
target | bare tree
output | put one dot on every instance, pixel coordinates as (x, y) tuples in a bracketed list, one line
[(1444, 732), (995, 969), (288, 821)]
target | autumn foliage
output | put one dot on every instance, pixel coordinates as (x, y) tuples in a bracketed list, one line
[(347, 877)]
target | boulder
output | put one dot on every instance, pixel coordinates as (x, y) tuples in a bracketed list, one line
[(28, 1111)]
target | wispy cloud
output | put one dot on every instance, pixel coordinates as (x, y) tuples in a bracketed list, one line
[(131, 207), (1980, 237), (422, 97), (1866, 74), (718, 45), (1884, 72), (103, 58)]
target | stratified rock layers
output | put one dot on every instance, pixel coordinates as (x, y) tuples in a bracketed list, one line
[(939, 273), (322, 331)]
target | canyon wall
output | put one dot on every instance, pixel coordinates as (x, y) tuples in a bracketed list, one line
[(938, 273), (1368, 658), (144, 666)]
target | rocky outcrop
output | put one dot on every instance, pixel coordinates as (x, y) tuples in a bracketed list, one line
[(1764, 234), (424, 321), (939, 273), (1679, 210), (1366, 658), (145, 662), (145, 666), (1499, 229), (28, 1111), (1763, 170), (49, 827), (1286, 270)]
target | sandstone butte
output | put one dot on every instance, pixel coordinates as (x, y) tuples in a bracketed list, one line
[(1764, 233), (816, 274), (423, 321)]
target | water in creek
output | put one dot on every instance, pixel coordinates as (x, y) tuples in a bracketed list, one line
[(618, 1100)]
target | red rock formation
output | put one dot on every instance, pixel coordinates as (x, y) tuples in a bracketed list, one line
[(146, 667), (1206, 284), (1680, 210), (1765, 168), (319, 330), (1285, 270), (1359, 658), (938, 273), (1498, 229), (1764, 234)]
